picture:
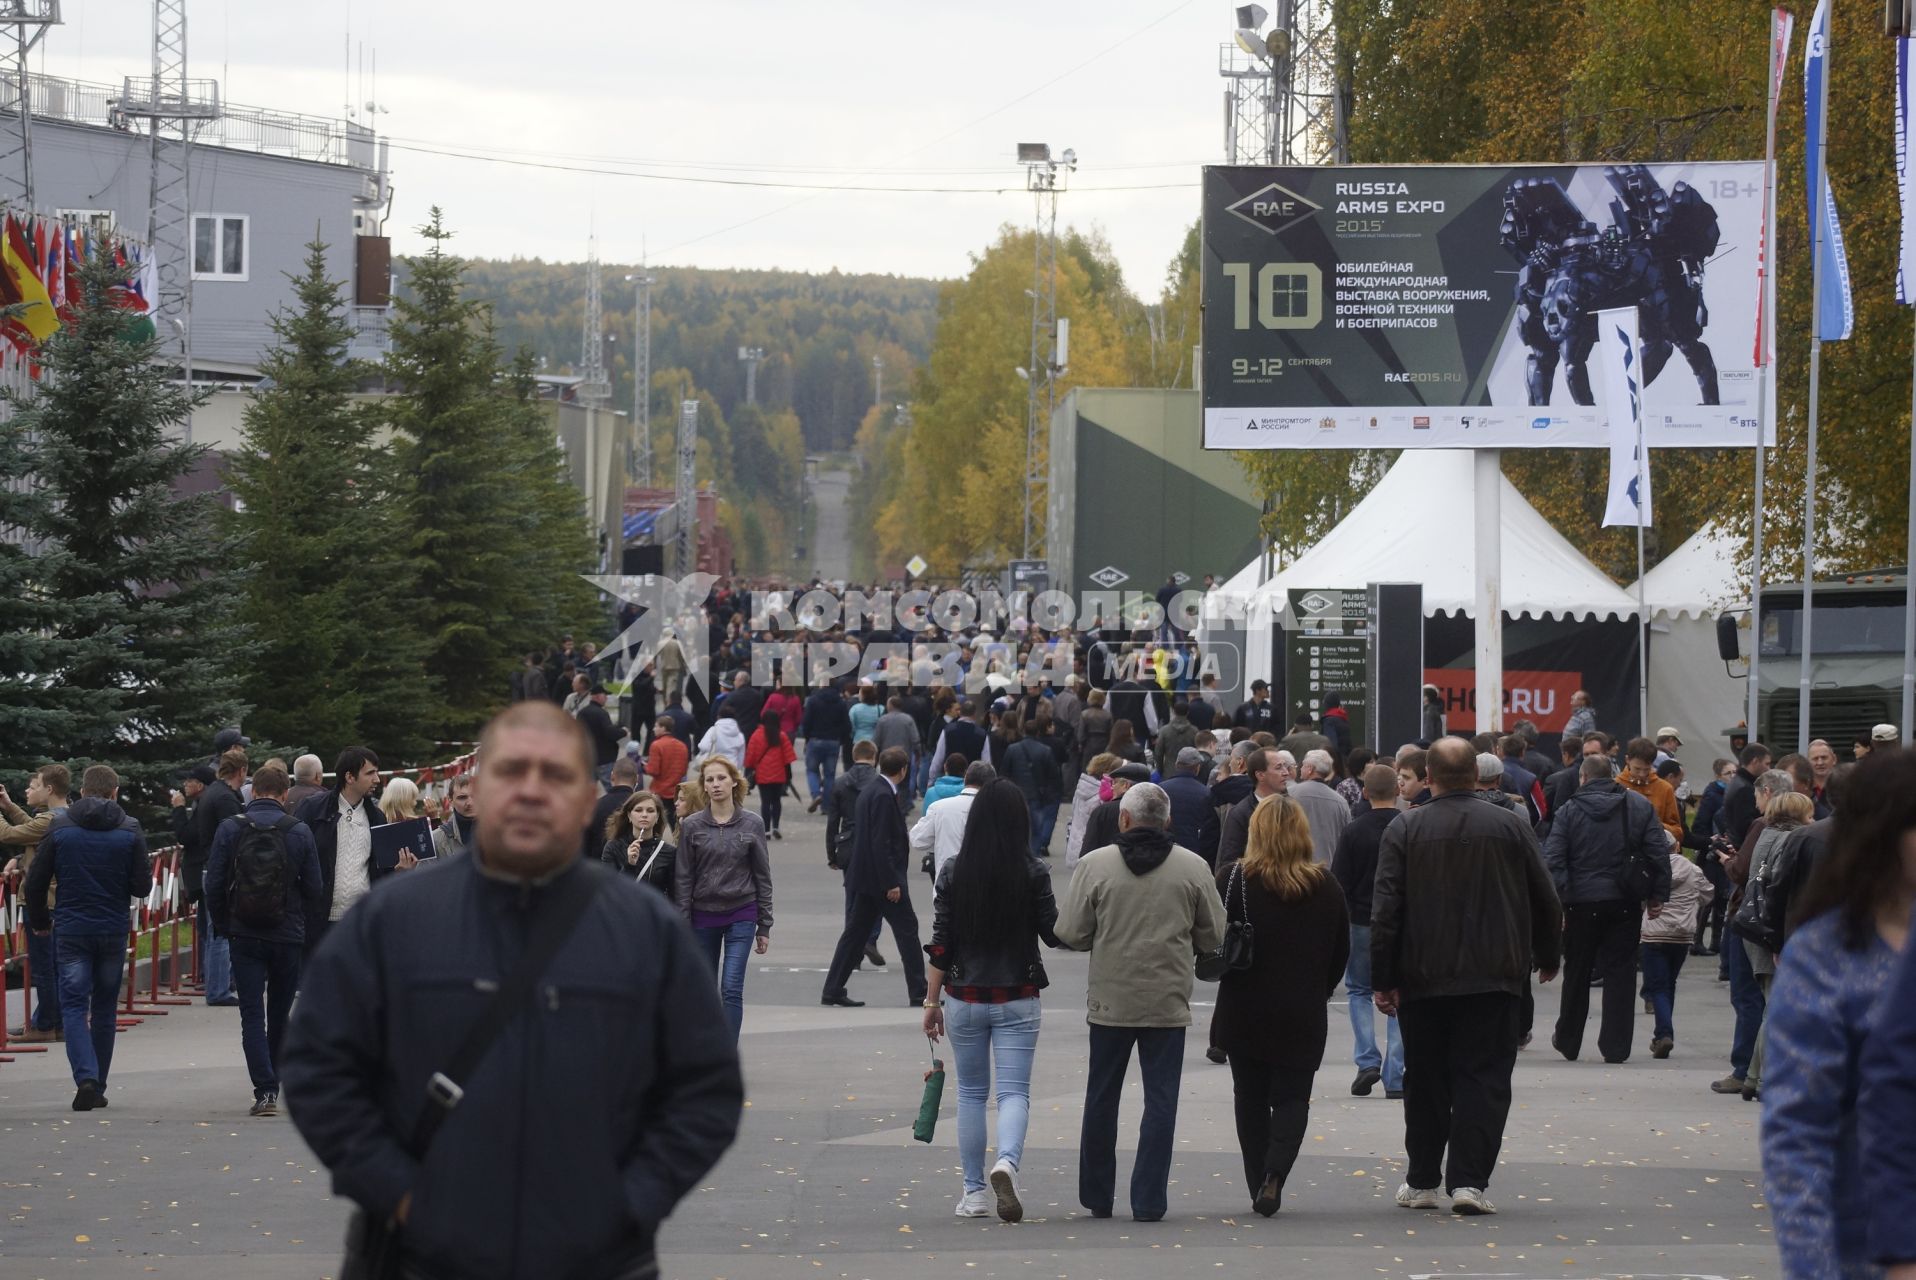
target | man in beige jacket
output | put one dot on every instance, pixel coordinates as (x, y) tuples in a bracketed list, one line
[(1143, 908)]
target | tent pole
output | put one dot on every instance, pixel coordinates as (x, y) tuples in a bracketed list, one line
[(1487, 473)]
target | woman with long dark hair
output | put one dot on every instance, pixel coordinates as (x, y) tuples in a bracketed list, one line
[(992, 907), (635, 843), (1270, 1018), (1124, 741), (1824, 1004)]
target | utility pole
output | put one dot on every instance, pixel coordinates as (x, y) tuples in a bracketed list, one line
[(749, 357), (687, 539), (174, 108), (1044, 178), (878, 381), (642, 371), (29, 20)]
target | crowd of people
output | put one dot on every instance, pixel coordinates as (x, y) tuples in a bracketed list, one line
[(1438, 886)]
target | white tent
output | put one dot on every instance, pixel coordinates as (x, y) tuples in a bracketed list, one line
[(1416, 526), (1690, 689)]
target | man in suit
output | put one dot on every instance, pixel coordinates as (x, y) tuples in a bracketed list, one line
[(878, 876)]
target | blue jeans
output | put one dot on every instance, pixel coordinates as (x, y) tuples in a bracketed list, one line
[(1747, 999), (727, 949), (1161, 1063), (216, 960), (821, 765), (91, 966), (1662, 962), (1044, 818), (41, 954), (921, 773), (267, 975), (1364, 1015), (985, 1037)]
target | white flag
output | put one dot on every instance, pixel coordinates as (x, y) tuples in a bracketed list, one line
[(1621, 357)]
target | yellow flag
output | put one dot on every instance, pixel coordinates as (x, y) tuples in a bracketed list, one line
[(39, 319)]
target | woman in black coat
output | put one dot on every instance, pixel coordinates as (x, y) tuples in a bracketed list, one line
[(633, 835), (1271, 1018)]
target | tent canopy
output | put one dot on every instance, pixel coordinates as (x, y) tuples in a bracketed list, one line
[(1416, 526), (1707, 573)]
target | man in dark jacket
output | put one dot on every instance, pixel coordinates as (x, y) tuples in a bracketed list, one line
[(99, 857), (595, 1109), (841, 819), (1257, 715), (1460, 910), (1033, 765), (341, 820), (1271, 772), (1739, 794), (266, 951), (1192, 813), (1355, 867), (1593, 839), (220, 801), (597, 722), (826, 726), (962, 733), (879, 878)]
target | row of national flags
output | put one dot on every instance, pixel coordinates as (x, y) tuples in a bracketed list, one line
[(39, 273)]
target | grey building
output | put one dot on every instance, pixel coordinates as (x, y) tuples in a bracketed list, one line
[(263, 184)]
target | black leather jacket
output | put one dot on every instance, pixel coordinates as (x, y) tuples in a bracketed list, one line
[(1012, 963)]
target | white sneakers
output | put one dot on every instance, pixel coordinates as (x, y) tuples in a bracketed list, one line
[(1004, 1184), (1409, 1197), (1470, 1201), (974, 1204)]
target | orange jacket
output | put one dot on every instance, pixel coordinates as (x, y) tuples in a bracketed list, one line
[(665, 766), (1662, 798)]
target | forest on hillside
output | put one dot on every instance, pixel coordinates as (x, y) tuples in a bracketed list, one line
[(819, 332)]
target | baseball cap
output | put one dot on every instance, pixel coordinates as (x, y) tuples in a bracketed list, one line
[(1190, 758), (1884, 733), (226, 739), (1489, 767), (1669, 731), (203, 774), (1132, 773)]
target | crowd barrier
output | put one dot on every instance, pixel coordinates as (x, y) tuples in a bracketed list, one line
[(171, 976)]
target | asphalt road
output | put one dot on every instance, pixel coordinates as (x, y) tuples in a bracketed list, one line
[(832, 548), (1607, 1171)]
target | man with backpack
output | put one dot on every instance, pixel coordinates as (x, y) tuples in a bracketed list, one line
[(1609, 859), (262, 882)]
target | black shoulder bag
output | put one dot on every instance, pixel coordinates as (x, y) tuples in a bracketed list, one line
[(373, 1248), (1233, 954)]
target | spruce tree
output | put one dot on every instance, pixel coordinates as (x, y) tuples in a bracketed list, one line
[(118, 546), (337, 658), (558, 537), (459, 490)]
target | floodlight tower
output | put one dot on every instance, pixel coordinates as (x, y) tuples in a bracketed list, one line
[(750, 358), (1283, 103), (29, 20), (642, 284), (175, 109), (1044, 178), (594, 388)]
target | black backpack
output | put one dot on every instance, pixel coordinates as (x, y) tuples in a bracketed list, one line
[(262, 873)]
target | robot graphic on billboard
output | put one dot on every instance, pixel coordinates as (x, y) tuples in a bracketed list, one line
[(1652, 257)]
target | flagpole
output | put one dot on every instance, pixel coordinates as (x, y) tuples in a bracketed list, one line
[(1766, 366), (1819, 204), (1643, 615)]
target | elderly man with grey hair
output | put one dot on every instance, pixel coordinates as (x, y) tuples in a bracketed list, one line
[(309, 779), (1144, 909), (1326, 811)]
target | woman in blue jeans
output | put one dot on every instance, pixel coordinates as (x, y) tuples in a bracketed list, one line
[(723, 880), (992, 906)]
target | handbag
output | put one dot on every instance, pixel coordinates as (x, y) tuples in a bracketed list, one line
[(1234, 953), (926, 1125), (373, 1247)]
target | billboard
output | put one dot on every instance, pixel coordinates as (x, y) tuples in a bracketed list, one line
[(1454, 306)]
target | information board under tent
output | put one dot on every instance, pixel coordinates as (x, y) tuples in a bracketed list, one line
[(1454, 306)]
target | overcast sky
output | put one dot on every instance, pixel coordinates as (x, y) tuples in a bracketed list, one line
[(915, 94)]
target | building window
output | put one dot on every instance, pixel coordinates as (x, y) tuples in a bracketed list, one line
[(219, 246)]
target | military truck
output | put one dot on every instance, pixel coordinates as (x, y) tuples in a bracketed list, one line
[(1856, 658)]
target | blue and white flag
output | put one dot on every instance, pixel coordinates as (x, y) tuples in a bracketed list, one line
[(1905, 179), (1622, 361), (1835, 314)]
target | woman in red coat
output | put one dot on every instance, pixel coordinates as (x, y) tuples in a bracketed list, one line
[(768, 759), (785, 705)]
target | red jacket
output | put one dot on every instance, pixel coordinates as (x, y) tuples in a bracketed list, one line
[(665, 766), (786, 707), (769, 766)]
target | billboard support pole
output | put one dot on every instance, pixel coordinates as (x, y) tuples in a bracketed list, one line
[(1488, 477)]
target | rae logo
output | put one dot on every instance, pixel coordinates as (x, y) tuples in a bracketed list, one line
[(1420, 424), (1273, 208), (1110, 576), (1315, 605)]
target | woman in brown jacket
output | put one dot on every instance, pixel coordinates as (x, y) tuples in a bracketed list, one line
[(1271, 1018)]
